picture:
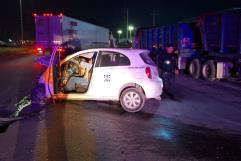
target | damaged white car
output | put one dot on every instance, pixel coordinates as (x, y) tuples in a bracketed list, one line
[(125, 75)]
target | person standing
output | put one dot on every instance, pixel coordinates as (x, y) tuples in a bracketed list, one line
[(167, 64), (111, 40)]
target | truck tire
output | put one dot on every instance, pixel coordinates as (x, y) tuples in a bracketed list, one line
[(194, 68), (209, 70), (132, 99)]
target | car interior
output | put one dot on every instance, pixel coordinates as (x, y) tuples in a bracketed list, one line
[(76, 73)]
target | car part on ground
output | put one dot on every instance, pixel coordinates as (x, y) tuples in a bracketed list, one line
[(28, 105), (23, 103)]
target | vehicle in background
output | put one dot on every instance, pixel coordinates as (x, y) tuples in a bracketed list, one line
[(208, 45), (2, 43), (105, 74), (8, 43), (72, 34)]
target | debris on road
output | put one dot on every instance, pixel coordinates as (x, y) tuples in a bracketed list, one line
[(28, 106), (25, 102)]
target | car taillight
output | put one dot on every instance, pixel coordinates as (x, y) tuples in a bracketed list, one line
[(148, 72), (60, 50), (39, 50)]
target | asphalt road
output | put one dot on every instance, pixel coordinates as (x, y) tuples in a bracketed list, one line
[(195, 121)]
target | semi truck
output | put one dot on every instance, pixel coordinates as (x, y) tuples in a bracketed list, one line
[(71, 33), (208, 46)]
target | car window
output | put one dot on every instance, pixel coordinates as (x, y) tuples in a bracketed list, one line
[(86, 59), (147, 59), (107, 58), (123, 60)]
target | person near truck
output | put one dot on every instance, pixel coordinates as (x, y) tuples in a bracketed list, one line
[(167, 64)]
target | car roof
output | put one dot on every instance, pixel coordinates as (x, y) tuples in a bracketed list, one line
[(125, 51)]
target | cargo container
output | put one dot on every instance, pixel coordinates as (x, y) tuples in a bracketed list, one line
[(72, 33), (209, 45)]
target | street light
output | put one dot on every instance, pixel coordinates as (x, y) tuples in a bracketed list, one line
[(119, 33), (130, 28)]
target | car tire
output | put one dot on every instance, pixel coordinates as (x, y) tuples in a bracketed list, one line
[(132, 99), (195, 68), (209, 70)]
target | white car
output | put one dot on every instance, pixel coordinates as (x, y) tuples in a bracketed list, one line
[(125, 75)]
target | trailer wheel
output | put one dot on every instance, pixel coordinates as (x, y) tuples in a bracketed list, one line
[(209, 70), (194, 68)]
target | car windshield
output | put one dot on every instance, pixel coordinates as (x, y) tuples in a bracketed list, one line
[(146, 58)]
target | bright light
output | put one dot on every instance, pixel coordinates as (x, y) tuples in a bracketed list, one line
[(47, 14), (130, 28), (39, 50), (10, 40), (119, 32), (60, 50)]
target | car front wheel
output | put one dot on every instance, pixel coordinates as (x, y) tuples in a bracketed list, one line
[(132, 100)]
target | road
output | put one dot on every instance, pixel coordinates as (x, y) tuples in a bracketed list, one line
[(196, 121)]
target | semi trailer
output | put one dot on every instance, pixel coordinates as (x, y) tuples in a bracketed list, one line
[(208, 46), (52, 30)]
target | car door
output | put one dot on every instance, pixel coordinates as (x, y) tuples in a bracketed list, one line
[(108, 75), (79, 66)]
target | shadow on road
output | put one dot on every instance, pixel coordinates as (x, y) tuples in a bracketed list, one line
[(115, 108)]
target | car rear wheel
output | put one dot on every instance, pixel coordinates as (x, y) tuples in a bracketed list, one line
[(132, 100)]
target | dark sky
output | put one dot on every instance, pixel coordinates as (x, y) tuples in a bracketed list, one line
[(107, 13)]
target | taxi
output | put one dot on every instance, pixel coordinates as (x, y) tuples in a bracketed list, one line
[(128, 76)]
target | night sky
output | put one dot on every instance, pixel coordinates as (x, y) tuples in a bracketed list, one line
[(107, 13)]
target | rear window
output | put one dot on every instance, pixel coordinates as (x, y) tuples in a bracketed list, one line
[(147, 59)]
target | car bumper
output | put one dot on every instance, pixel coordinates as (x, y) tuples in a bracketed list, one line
[(153, 89)]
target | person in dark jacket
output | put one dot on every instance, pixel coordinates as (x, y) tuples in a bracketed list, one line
[(167, 64)]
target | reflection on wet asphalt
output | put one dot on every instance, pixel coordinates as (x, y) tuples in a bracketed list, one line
[(102, 131)]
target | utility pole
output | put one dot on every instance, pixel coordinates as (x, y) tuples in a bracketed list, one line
[(127, 23), (21, 18), (154, 14), (154, 17)]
